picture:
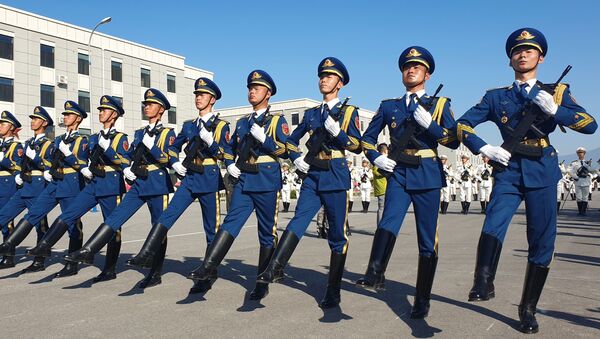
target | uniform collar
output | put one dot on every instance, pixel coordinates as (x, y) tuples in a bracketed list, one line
[(259, 112), (331, 103), (419, 94), (7, 140), (205, 118), (530, 82), (150, 126), (39, 136)]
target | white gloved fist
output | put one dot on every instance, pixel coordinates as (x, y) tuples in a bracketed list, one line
[(87, 173), (332, 126), (64, 148), (301, 165), (103, 142), (258, 133), (206, 136), (234, 171), (1, 156), (30, 152), (18, 179), (496, 153), (422, 117), (384, 163), (47, 176), (148, 141), (129, 174), (179, 168), (546, 102)]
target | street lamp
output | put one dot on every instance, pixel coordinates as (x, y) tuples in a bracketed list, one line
[(102, 22)]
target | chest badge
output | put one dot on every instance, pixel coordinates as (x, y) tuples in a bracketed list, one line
[(393, 125), (504, 119)]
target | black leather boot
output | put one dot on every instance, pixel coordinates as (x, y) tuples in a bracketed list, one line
[(475, 197), (154, 277), (38, 262), (367, 203), (535, 278), (482, 207), (86, 254), (7, 261), (579, 208), (336, 269), (584, 205), (467, 206), (110, 262), (216, 253), (145, 258), (71, 268), (488, 256), (464, 207), (262, 289), (19, 234), (425, 275), (558, 207), (381, 251), (283, 252), (350, 203), (44, 247)]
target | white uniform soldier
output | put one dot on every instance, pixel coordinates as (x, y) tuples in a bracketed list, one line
[(445, 193), (366, 175), (465, 171), (287, 182), (353, 184), (580, 171), (484, 180)]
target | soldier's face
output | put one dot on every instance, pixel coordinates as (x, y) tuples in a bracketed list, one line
[(36, 123), (329, 83), (203, 100), (257, 94), (105, 114), (152, 109), (581, 155), (525, 59), (70, 119), (4, 128), (414, 74)]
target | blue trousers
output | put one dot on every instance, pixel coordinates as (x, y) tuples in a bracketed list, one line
[(183, 198), (6, 228), (540, 208), (45, 202), (426, 204), (15, 206), (132, 201), (242, 205)]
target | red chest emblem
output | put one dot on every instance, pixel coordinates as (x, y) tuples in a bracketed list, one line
[(126, 145), (285, 129), (171, 140)]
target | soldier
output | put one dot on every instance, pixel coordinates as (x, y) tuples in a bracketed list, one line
[(484, 180), (353, 184), (445, 197), (69, 153), (11, 152), (581, 171), (380, 183), (418, 182), (150, 184), (259, 141), (465, 172), (287, 181), (529, 178), (366, 175), (105, 187), (207, 138)]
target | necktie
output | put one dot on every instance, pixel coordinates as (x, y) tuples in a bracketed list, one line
[(523, 90), (412, 103), (325, 112)]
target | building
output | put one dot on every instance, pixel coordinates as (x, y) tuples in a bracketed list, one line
[(46, 62), (293, 111)]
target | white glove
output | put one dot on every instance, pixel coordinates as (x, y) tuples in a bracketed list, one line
[(87, 173), (47, 176), (30, 152), (234, 171), (1, 156), (496, 153), (179, 168), (206, 136), (129, 174), (385, 163), (301, 165), (148, 140), (422, 117), (18, 179), (258, 133), (332, 126), (103, 142), (64, 148), (546, 102)]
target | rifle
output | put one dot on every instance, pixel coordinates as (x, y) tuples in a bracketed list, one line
[(194, 150), (408, 136), (56, 170), (529, 122), (26, 165), (96, 162), (318, 142), (246, 150), (139, 167)]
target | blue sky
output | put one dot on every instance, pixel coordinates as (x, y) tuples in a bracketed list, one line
[(288, 39)]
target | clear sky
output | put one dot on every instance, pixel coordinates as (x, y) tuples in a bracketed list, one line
[(288, 39)]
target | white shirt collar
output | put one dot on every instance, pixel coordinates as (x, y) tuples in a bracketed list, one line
[(331, 103), (260, 112), (108, 130), (158, 123), (39, 136), (530, 82), (419, 94), (9, 139), (206, 117)]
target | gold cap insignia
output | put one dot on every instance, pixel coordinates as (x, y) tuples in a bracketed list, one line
[(413, 53), (37, 110), (201, 82), (393, 124), (68, 105), (149, 93), (525, 36), (256, 75), (104, 100), (504, 119), (328, 63)]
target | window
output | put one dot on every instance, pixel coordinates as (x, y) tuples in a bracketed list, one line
[(170, 83), (84, 101), (362, 125), (173, 115), (145, 77), (47, 96), (295, 119), (7, 90), (50, 132), (144, 117), (6, 47), (83, 64), (46, 56), (116, 71)]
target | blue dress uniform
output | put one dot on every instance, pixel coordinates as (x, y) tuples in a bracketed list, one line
[(419, 184), (152, 190), (202, 180), (254, 191), (326, 185), (532, 179), (31, 173), (105, 188)]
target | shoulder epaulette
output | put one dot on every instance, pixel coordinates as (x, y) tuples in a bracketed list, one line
[(391, 99), (498, 88)]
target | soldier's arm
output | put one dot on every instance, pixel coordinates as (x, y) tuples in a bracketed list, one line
[(43, 157), (446, 122), (349, 137), (464, 125), (222, 141), (214, 149), (229, 148), (80, 153), (369, 138), (160, 149), (276, 138), (570, 114), (175, 149)]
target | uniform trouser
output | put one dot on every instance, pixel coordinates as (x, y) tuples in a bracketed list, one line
[(6, 228), (426, 204), (466, 193), (582, 192), (485, 192), (14, 207), (45, 202), (132, 201), (445, 194), (540, 208), (285, 195), (380, 206), (84, 202), (365, 194), (183, 198), (351, 194), (242, 205)]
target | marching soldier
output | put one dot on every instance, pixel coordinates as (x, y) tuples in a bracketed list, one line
[(531, 178), (445, 198), (69, 152), (105, 186), (366, 175), (259, 141), (581, 171), (11, 152), (484, 180), (327, 177), (353, 184), (287, 181), (150, 184), (380, 183), (416, 178), (465, 172), (206, 137)]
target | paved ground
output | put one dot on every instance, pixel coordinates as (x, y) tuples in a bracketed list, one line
[(34, 305)]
